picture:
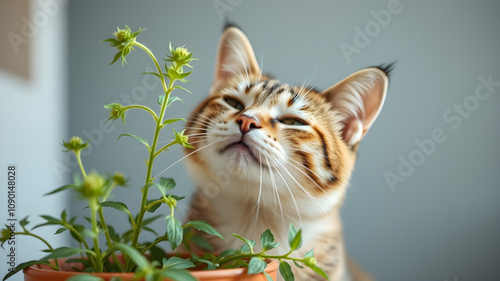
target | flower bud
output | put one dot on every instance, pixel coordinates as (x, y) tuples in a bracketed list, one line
[(75, 144), (6, 234), (170, 201), (182, 139), (119, 179), (117, 111), (310, 261), (180, 56), (92, 186)]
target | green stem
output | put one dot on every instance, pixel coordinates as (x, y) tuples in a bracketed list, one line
[(153, 203), (167, 90), (163, 148), (94, 205), (79, 160), (263, 256), (157, 240), (138, 106), (108, 238)]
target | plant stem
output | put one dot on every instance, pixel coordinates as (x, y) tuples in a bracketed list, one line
[(79, 160), (144, 108), (94, 205), (159, 121), (264, 256), (157, 240), (108, 238)]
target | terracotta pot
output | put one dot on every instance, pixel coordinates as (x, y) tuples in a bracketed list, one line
[(45, 273)]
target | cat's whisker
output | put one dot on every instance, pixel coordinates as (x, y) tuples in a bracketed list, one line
[(291, 194), (203, 147), (206, 123), (207, 118), (301, 187), (307, 169), (275, 189), (205, 155), (257, 204)]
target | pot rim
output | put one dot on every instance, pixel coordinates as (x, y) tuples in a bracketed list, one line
[(36, 270)]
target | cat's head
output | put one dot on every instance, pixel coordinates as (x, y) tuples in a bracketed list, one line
[(257, 138)]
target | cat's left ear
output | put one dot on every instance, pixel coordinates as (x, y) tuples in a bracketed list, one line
[(358, 99), (235, 58)]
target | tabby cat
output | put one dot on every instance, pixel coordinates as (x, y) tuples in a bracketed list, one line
[(269, 154)]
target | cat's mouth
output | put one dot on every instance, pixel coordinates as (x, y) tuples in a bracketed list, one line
[(240, 147)]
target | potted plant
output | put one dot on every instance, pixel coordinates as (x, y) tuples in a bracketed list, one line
[(104, 254)]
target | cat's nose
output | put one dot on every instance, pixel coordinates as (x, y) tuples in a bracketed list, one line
[(247, 123)]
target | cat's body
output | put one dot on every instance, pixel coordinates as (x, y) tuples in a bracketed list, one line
[(269, 155)]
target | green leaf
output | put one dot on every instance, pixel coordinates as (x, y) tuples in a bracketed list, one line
[(170, 121), (143, 141), (174, 232), (151, 230), (297, 264), (177, 263), (150, 220), (49, 221), (167, 183), (318, 270), (119, 206), (85, 277), (286, 271), (268, 277), (133, 253), (267, 241), (182, 88), (161, 98), (60, 230), (156, 253), (62, 188), (22, 266), (256, 265), (153, 208), (204, 227), (24, 222), (63, 252), (250, 243), (178, 275), (64, 215), (294, 238), (172, 99), (152, 73), (210, 264), (199, 241)]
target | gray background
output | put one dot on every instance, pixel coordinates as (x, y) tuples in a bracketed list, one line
[(442, 222)]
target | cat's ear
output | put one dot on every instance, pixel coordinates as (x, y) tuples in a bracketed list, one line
[(235, 57), (358, 100)]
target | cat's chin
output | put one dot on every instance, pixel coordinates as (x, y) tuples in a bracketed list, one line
[(241, 154)]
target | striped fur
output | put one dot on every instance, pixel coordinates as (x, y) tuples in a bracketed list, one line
[(268, 154)]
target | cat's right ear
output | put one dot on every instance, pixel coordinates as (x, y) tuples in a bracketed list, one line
[(235, 58)]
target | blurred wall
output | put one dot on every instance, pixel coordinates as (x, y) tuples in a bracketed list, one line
[(424, 198), (33, 119)]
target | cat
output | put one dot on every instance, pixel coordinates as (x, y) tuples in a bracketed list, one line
[(269, 154)]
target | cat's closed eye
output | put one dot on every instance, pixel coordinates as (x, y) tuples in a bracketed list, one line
[(234, 103), (292, 121)]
